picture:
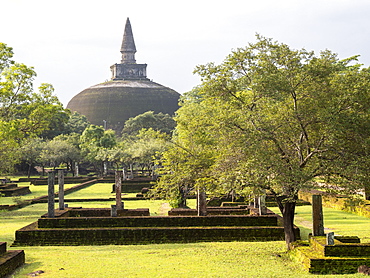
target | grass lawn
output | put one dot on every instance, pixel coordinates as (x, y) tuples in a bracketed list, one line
[(36, 191), (97, 190), (212, 259), (230, 259)]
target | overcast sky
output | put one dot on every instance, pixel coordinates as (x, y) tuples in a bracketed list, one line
[(72, 43)]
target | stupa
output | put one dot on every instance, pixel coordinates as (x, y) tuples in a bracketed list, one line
[(128, 94)]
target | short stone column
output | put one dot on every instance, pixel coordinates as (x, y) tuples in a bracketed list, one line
[(113, 211), (76, 170), (124, 176), (118, 189), (201, 203), (262, 205), (51, 194), (330, 238), (317, 216), (61, 189)]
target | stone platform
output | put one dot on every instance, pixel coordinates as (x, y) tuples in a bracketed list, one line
[(12, 189), (344, 257), (10, 260), (75, 227)]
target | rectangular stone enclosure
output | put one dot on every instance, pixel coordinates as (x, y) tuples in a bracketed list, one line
[(96, 227)]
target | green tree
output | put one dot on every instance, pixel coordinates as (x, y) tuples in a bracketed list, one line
[(95, 143), (187, 163), (280, 119), (148, 146), (57, 151), (30, 152), (159, 122), (23, 112), (77, 123)]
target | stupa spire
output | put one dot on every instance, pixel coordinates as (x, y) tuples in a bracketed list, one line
[(128, 69), (128, 48)]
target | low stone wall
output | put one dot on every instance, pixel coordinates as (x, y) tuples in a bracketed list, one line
[(133, 186), (12, 189), (67, 180), (43, 199), (143, 235), (228, 210), (75, 226), (106, 212), (159, 221), (345, 256), (10, 260)]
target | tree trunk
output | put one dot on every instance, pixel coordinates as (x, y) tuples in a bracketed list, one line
[(182, 193), (288, 220), (29, 170), (367, 192)]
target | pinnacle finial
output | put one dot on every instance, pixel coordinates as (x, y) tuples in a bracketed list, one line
[(128, 48)]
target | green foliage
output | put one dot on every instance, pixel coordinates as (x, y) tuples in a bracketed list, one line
[(57, 151), (77, 123), (96, 144), (23, 112), (30, 152), (148, 146), (272, 118), (159, 122), (6, 53)]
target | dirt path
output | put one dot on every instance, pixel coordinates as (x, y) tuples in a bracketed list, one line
[(307, 224), (164, 208)]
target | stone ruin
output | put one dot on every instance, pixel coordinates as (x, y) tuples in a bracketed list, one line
[(116, 225)]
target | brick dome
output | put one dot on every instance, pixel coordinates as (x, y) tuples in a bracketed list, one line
[(117, 100), (128, 94)]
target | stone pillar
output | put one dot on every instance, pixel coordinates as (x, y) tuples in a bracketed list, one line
[(118, 190), (76, 170), (61, 189), (132, 171), (113, 211), (51, 201), (262, 205), (317, 216), (330, 238), (124, 177), (233, 195), (201, 203), (154, 172), (105, 168)]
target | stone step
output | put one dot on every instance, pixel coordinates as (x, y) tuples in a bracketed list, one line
[(8, 186), (85, 220), (17, 191), (144, 235), (2, 248), (10, 260), (339, 249)]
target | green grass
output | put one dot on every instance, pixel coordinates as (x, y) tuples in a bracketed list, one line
[(233, 259), (155, 206), (10, 221), (98, 190), (213, 259), (36, 191)]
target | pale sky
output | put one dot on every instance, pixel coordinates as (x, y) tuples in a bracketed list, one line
[(72, 43)]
